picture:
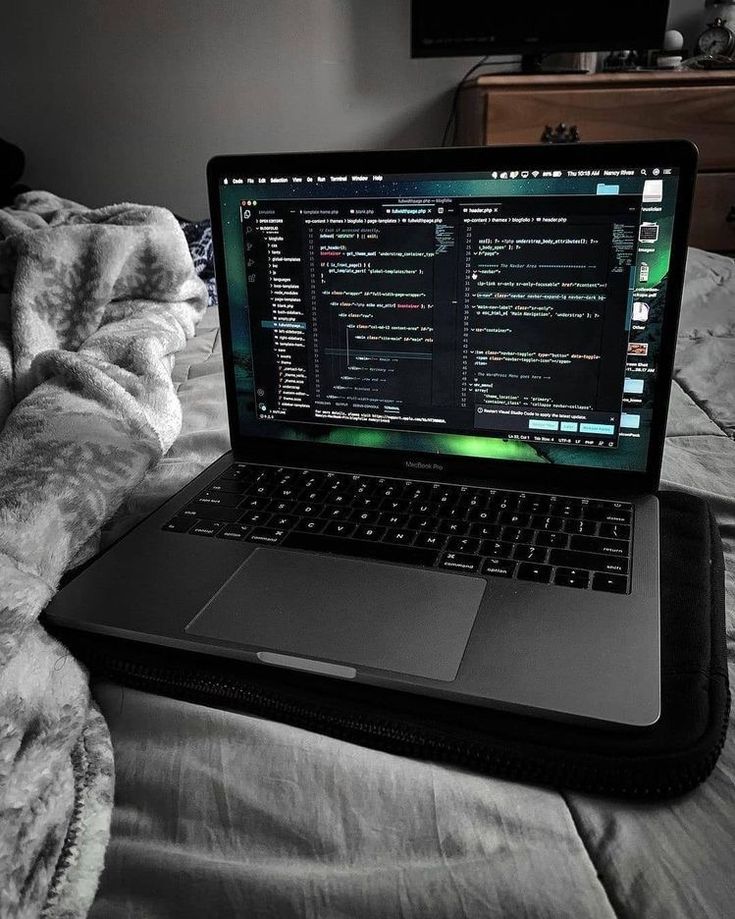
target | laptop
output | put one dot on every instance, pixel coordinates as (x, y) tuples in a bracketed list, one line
[(447, 377)]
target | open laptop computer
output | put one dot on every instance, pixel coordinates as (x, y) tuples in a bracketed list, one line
[(447, 378)]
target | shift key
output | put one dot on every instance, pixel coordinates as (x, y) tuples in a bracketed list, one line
[(590, 560)]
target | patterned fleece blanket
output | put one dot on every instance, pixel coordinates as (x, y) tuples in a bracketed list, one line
[(93, 306)]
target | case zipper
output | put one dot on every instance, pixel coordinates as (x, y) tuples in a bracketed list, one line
[(568, 774)]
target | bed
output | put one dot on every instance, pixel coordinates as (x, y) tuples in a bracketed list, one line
[(223, 814)]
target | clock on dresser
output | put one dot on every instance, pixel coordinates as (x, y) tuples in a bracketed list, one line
[(717, 38), (642, 105)]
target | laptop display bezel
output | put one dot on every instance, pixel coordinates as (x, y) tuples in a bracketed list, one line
[(679, 154)]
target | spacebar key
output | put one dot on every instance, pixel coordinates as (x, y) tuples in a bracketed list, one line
[(406, 555)]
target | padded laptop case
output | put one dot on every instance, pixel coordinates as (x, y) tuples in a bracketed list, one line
[(667, 759)]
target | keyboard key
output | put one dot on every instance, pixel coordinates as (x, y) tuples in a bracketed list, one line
[(565, 507), (495, 548), (312, 496), (456, 561), (335, 512), (482, 515), (207, 512), (580, 527), (414, 491), (238, 470), (366, 517), (572, 577), (552, 540), (261, 491), (233, 531), (219, 498), (287, 493), (255, 518), (568, 559), (408, 555), (365, 532), (498, 567), (530, 553), (614, 547), (614, 531), (446, 494), (485, 530), (528, 571), (534, 504), (206, 528), (339, 528), (400, 537), (310, 525), (607, 515), (253, 503), (266, 535), (430, 540), (235, 486), (422, 522), (453, 527), (463, 544), (513, 534), (179, 524), (284, 521), (547, 523), (610, 582), (514, 519), (389, 519)]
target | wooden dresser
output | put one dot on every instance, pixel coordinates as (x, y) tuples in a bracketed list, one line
[(699, 106)]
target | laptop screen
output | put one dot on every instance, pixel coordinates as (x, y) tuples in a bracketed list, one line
[(512, 314)]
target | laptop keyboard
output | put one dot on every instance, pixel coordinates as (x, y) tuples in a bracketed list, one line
[(550, 539)]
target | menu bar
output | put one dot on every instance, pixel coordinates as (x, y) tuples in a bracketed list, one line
[(495, 174)]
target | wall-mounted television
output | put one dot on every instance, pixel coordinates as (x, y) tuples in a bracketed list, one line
[(533, 28)]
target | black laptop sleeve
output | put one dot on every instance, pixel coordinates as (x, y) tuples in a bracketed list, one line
[(667, 759)]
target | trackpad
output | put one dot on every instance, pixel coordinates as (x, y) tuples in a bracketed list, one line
[(411, 620)]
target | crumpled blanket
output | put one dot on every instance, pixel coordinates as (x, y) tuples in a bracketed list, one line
[(93, 306)]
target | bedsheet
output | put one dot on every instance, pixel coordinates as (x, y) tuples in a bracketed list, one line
[(223, 814)]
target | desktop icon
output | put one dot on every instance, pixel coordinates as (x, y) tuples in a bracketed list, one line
[(648, 233), (653, 191), (640, 311)]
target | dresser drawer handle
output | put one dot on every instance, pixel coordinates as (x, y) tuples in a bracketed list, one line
[(730, 215), (561, 134)]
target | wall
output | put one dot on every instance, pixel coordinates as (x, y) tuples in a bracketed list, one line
[(127, 100)]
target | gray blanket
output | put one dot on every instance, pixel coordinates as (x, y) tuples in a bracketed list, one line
[(93, 306)]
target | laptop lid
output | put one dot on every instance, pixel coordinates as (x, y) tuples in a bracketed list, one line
[(504, 314)]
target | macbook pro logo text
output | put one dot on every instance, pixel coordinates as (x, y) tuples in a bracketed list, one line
[(417, 464)]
